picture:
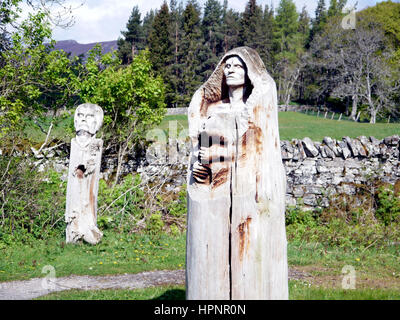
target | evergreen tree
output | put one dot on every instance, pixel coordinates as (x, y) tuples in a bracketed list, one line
[(230, 27), (161, 49), (268, 29), (336, 7), (212, 35), (192, 43), (133, 40), (148, 25), (287, 27), (251, 32), (319, 21), (304, 24), (176, 37)]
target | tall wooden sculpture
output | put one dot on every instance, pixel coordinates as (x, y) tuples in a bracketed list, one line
[(83, 176), (236, 238)]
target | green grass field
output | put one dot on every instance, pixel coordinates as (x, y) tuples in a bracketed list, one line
[(377, 271), (299, 125), (298, 290), (291, 125)]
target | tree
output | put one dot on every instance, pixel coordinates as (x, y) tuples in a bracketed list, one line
[(318, 23), (268, 29), (213, 37), (336, 8), (191, 52), (132, 98), (230, 27), (289, 49), (133, 40), (354, 64), (251, 32), (33, 79), (162, 51)]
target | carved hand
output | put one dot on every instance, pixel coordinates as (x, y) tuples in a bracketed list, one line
[(213, 154), (200, 173)]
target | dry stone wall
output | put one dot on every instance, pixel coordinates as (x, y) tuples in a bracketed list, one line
[(318, 170), (315, 171)]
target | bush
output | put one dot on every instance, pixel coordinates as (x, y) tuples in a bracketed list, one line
[(388, 205), (32, 205)]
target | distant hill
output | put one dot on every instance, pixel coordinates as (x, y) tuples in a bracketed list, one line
[(77, 49)]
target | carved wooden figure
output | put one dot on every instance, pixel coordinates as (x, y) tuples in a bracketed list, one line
[(83, 176), (236, 238)]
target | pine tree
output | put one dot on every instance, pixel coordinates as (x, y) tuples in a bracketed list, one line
[(287, 26), (176, 38), (304, 24), (251, 32), (319, 21), (230, 27), (268, 29), (161, 49), (336, 7), (133, 40), (148, 25), (213, 37), (190, 53)]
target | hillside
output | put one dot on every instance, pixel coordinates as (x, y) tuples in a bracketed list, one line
[(77, 49)]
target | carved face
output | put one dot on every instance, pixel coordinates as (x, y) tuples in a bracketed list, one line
[(235, 72), (85, 119)]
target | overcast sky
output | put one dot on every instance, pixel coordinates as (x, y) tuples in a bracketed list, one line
[(103, 20)]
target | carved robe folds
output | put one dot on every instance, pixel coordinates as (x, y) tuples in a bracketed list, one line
[(236, 237), (82, 188)]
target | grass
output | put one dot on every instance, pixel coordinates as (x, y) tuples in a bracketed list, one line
[(377, 270), (298, 290), (152, 293), (299, 125), (115, 254), (291, 125)]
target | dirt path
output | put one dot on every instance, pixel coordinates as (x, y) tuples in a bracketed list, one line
[(30, 289)]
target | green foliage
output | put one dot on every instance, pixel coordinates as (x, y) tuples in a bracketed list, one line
[(155, 224), (33, 79), (388, 205), (178, 208), (133, 37), (121, 205), (348, 226), (32, 204)]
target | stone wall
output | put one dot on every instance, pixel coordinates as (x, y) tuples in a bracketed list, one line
[(315, 170)]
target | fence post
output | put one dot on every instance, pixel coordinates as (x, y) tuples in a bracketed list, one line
[(340, 118)]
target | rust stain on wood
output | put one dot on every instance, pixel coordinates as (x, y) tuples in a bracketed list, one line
[(256, 137), (244, 237), (257, 182), (220, 177)]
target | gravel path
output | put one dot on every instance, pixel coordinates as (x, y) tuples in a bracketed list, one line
[(30, 289)]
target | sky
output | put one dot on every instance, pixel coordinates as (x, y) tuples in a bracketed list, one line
[(103, 20)]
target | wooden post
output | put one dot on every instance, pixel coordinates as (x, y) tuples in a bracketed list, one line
[(236, 238), (333, 115), (340, 117), (326, 113), (83, 176), (318, 113)]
